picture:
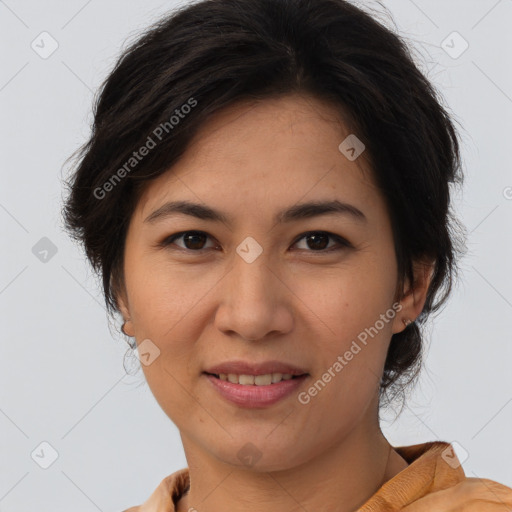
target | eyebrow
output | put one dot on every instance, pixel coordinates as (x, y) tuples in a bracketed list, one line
[(294, 213)]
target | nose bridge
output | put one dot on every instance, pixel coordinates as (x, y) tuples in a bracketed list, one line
[(252, 304), (250, 267), (250, 276)]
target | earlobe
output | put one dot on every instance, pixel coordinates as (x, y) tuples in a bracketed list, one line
[(127, 328)]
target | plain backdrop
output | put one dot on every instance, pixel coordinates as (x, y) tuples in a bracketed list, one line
[(62, 380)]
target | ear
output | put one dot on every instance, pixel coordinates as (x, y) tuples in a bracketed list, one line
[(414, 296), (122, 302)]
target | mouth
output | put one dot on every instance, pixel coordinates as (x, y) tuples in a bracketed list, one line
[(255, 391)]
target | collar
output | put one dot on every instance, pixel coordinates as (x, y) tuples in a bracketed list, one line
[(433, 466)]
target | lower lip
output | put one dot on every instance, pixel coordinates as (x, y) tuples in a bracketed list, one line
[(256, 396)]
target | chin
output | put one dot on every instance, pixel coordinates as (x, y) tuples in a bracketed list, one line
[(262, 455)]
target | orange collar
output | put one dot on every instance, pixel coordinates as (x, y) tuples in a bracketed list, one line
[(432, 467)]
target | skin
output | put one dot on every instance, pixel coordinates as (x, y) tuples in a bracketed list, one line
[(294, 303)]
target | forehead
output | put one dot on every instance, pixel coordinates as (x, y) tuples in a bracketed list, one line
[(267, 152)]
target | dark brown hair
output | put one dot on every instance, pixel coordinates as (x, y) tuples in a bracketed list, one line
[(213, 53)]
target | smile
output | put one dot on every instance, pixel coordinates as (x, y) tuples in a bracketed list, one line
[(255, 380), (258, 391)]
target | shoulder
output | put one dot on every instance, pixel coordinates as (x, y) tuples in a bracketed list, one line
[(435, 480), (469, 494)]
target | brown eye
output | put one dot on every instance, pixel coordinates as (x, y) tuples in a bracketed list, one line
[(315, 241), (192, 240), (318, 241)]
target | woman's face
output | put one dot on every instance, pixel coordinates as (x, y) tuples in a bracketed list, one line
[(255, 287)]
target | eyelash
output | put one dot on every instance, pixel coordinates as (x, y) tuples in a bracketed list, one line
[(343, 244)]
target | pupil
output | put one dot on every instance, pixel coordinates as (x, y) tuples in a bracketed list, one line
[(315, 238), (189, 237)]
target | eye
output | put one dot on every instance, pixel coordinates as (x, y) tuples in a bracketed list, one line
[(193, 240), (319, 241), (316, 241)]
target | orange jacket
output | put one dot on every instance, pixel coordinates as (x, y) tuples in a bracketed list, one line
[(434, 481)]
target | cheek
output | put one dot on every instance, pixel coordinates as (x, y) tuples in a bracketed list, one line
[(344, 301), (160, 314), (162, 295), (354, 318), (168, 384), (350, 372)]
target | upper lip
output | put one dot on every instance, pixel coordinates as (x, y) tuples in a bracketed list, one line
[(252, 368)]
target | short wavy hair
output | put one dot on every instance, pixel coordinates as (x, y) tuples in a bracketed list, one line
[(213, 53)]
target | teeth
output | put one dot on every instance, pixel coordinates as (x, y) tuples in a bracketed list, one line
[(257, 380), (246, 379)]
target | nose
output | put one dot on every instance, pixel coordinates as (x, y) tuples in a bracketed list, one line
[(255, 302)]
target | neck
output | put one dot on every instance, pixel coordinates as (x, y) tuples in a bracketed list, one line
[(340, 478)]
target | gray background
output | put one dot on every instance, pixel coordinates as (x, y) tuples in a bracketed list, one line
[(61, 365)]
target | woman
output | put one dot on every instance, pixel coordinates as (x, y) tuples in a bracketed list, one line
[(266, 195)]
